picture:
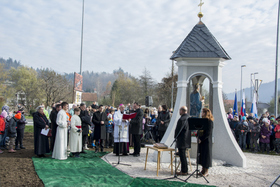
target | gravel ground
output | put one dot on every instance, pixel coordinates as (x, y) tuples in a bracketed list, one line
[(261, 170)]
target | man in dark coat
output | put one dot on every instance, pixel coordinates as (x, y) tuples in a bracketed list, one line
[(54, 125), (136, 129), (85, 118), (94, 105), (99, 120), (183, 139), (41, 142)]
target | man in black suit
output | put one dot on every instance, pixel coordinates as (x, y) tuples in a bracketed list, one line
[(183, 139), (54, 125), (136, 129), (85, 118), (100, 121)]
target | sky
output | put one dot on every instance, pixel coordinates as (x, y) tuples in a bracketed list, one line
[(138, 33)]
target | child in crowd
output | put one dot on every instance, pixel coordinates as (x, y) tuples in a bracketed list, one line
[(154, 120), (20, 131), (12, 132), (265, 135), (277, 137), (242, 131), (110, 130), (75, 140), (144, 121), (155, 128)]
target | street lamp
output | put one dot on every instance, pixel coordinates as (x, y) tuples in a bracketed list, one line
[(241, 84), (276, 67), (257, 86)]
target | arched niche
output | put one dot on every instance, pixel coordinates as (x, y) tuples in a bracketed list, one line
[(200, 78)]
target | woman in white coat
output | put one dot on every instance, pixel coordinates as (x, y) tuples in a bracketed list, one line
[(60, 145), (75, 140)]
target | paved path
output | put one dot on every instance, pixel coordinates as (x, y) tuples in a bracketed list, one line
[(261, 170), (30, 122)]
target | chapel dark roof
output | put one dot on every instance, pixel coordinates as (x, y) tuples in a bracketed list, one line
[(200, 43)]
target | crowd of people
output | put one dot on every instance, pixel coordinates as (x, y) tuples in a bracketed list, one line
[(65, 131), (12, 125), (99, 126), (75, 130), (256, 134)]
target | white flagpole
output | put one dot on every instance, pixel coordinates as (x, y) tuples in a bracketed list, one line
[(276, 67)]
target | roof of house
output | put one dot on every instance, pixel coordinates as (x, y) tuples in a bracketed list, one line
[(89, 96), (200, 43)]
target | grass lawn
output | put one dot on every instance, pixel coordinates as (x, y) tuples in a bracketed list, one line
[(28, 117), (29, 129)]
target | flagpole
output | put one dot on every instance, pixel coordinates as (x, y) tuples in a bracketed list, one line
[(276, 67), (82, 35)]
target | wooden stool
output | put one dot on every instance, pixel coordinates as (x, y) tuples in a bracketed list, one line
[(159, 150), (189, 159)]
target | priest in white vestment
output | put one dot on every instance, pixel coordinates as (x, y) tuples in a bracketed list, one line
[(60, 146), (75, 140), (121, 127)]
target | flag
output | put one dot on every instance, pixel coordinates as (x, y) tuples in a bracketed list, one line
[(243, 110), (254, 107), (235, 107)]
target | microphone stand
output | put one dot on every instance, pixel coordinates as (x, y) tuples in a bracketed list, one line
[(175, 141), (119, 151), (197, 161)]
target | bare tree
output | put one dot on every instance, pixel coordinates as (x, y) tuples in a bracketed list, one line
[(56, 87)]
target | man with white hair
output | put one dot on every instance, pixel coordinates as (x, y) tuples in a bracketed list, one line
[(121, 132)]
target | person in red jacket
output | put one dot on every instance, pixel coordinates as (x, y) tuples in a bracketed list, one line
[(2, 126), (277, 137)]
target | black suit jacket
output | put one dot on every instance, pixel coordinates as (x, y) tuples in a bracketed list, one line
[(99, 129), (136, 124), (53, 117), (184, 138), (85, 118)]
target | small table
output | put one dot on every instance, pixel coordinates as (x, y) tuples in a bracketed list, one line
[(159, 150)]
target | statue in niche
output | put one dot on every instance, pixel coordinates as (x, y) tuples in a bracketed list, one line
[(196, 102)]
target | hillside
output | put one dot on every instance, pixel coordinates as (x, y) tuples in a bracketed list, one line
[(266, 92), (92, 81)]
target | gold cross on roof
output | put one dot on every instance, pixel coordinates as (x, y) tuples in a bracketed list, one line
[(200, 14), (200, 4)]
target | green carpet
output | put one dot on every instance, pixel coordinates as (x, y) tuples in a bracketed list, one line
[(91, 170)]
